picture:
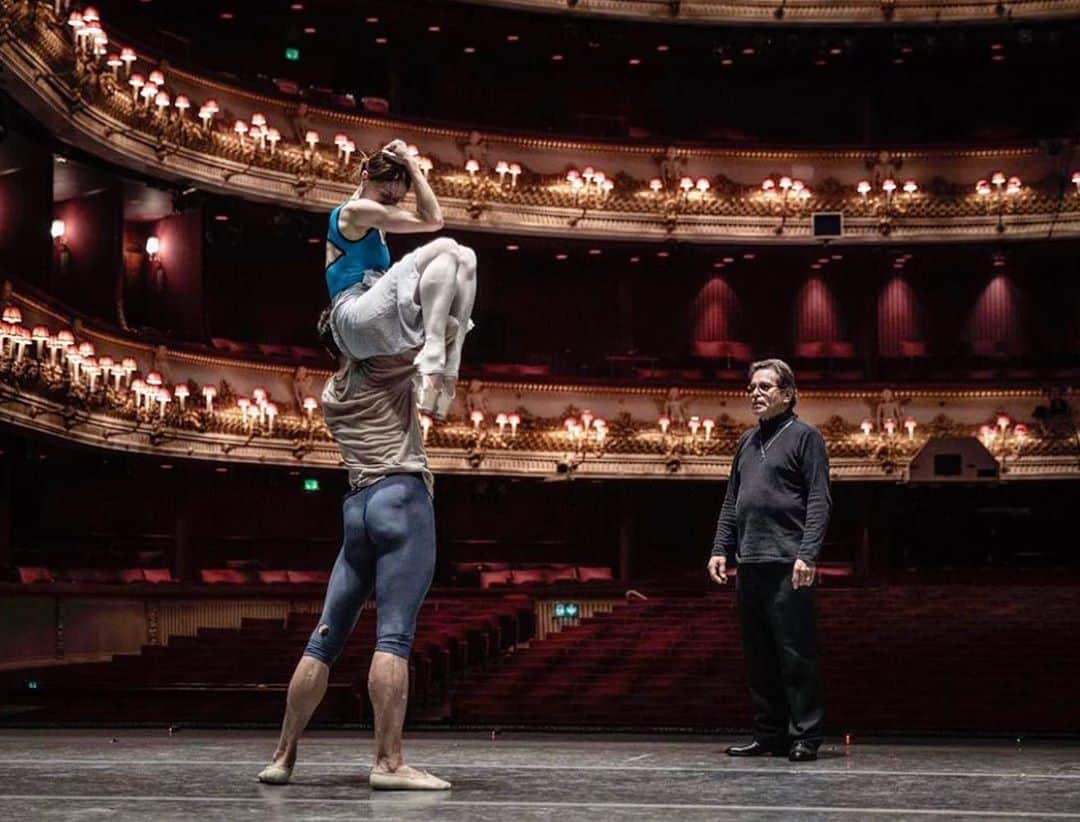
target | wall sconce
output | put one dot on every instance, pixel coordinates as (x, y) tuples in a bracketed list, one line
[(157, 269), (882, 197), (58, 231), (1004, 441), (787, 197), (999, 193)]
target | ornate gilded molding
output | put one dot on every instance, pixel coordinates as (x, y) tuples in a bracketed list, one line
[(525, 185), (805, 12), (105, 391)]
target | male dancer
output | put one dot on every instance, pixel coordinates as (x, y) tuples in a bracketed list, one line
[(384, 325)]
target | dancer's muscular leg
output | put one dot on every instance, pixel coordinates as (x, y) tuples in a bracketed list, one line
[(388, 687), (351, 583), (438, 264), (306, 690)]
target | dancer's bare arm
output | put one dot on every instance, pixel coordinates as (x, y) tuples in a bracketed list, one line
[(361, 214)]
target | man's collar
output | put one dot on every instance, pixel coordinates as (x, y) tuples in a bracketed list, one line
[(770, 426)]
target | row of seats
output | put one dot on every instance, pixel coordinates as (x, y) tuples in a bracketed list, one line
[(31, 574), (260, 351), (838, 349), (486, 575), (233, 576), (493, 574)]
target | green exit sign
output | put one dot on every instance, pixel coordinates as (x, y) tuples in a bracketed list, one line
[(292, 54), (311, 484), (567, 610)]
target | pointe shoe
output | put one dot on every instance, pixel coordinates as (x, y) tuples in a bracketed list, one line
[(429, 395), (445, 398), (431, 360), (274, 774), (406, 779)]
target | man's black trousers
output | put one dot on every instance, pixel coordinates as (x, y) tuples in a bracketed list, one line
[(783, 657)]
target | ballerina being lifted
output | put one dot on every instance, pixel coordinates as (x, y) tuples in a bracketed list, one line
[(423, 301)]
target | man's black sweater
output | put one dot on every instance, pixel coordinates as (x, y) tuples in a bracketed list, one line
[(778, 502)]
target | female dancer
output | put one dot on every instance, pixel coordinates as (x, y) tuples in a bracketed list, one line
[(419, 301)]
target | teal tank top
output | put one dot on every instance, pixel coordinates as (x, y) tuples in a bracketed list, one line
[(369, 253)]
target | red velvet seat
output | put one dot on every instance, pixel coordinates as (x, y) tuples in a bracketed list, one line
[(272, 577), (711, 349), (913, 348), (157, 575), (534, 370), (32, 573), (531, 576), (489, 578), (228, 346), (300, 352), (274, 350), (840, 350), (594, 574), (223, 576), (320, 577), (561, 574), (739, 352)]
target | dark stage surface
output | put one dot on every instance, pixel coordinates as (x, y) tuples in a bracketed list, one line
[(210, 775)]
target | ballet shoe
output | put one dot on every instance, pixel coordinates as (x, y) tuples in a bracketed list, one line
[(428, 364), (445, 399), (428, 395), (274, 774), (406, 779)]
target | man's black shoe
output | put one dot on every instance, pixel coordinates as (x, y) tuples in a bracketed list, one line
[(802, 752), (755, 748)]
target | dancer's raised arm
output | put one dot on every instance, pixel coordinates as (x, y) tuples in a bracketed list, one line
[(374, 205)]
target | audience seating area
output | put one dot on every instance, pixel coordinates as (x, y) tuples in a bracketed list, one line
[(241, 675), (918, 659), (904, 659)]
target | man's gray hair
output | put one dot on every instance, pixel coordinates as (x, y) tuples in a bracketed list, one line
[(785, 377)]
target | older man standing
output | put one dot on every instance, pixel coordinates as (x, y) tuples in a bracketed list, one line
[(773, 523)]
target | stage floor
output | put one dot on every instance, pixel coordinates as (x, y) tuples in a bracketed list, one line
[(210, 775)]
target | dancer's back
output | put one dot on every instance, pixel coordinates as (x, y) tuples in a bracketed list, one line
[(370, 410), (347, 261)]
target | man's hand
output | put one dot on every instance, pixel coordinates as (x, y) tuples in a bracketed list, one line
[(802, 575), (717, 570)]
